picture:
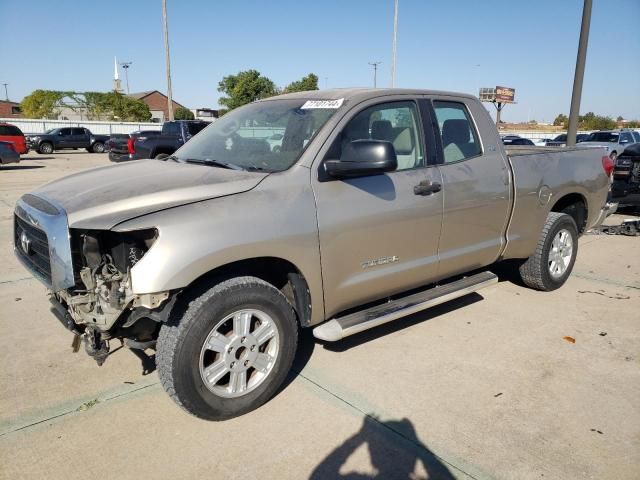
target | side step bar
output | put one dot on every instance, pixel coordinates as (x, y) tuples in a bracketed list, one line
[(342, 327)]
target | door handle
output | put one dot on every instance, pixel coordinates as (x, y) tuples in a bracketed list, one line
[(427, 187)]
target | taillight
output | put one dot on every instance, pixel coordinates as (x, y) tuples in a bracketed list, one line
[(130, 146), (607, 164)]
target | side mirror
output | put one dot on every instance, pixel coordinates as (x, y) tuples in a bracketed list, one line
[(362, 158), (60, 133)]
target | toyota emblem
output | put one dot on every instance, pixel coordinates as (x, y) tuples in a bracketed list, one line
[(25, 243)]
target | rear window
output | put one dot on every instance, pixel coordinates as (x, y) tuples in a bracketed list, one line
[(194, 128), (171, 128), (10, 131)]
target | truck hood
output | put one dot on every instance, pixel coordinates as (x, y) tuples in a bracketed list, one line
[(104, 197)]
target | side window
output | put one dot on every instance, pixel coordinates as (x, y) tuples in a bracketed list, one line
[(626, 137), (636, 136), (65, 131), (395, 122), (78, 131), (171, 128), (459, 137)]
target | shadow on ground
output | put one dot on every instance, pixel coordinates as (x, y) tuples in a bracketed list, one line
[(394, 450), (20, 167)]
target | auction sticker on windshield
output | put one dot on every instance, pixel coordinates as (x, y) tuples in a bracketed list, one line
[(322, 103)]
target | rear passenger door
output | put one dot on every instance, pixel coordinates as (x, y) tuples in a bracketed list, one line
[(475, 181), (80, 138)]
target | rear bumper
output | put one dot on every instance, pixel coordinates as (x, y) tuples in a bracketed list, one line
[(119, 157)]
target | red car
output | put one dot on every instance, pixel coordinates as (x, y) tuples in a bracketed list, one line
[(11, 133)]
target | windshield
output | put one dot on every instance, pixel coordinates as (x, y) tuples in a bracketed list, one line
[(268, 136), (50, 131), (603, 137)]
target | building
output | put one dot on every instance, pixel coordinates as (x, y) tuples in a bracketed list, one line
[(206, 114), (157, 103), (10, 109)]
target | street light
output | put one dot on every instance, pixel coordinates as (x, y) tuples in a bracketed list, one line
[(395, 37), (6, 95), (126, 66), (375, 72), (167, 58)]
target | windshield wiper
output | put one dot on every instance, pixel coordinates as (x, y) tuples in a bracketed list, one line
[(213, 163)]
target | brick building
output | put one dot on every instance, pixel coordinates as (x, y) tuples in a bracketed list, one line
[(157, 103), (10, 109)]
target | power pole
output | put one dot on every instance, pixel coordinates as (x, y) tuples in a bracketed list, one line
[(6, 95), (395, 37), (167, 58), (126, 66), (581, 60), (375, 73)]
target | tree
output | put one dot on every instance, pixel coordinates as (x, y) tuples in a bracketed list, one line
[(310, 82), (561, 121), (245, 87), (42, 104), (591, 121), (182, 113), (619, 119)]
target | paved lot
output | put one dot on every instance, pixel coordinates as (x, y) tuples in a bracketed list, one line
[(485, 387)]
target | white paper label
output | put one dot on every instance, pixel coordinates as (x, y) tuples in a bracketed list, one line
[(322, 104)]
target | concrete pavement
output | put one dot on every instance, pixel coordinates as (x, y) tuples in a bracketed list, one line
[(484, 387)]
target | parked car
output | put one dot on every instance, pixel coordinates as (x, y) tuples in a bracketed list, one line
[(625, 189), (614, 141), (517, 141), (561, 140), (121, 145), (67, 137), (11, 133), (8, 153), (174, 134), (217, 255)]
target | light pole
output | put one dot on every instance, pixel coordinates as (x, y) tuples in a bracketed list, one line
[(395, 37), (581, 60), (375, 72), (167, 58), (6, 95), (126, 66)]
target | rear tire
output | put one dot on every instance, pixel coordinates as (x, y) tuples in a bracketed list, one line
[(230, 351), (45, 148), (551, 264)]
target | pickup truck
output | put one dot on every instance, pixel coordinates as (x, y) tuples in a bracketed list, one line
[(121, 145), (174, 134), (63, 138), (379, 203)]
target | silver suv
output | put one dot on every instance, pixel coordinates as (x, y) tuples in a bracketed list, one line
[(614, 141)]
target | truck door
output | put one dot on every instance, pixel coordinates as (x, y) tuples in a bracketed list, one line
[(79, 138), (475, 185), (64, 138), (377, 236)]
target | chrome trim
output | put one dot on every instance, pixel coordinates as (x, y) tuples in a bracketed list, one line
[(56, 228)]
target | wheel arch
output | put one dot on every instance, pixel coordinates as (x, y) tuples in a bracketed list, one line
[(575, 205), (280, 273)]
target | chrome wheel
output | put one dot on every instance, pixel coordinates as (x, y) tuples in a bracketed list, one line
[(98, 147), (239, 353), (46, 148), (560, 254)]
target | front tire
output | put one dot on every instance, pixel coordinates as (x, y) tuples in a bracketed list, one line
[(230, 351), (550, 265), (45, 148)]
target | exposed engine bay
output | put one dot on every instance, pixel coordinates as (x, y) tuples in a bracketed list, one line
[(626, 177), (102, 305)]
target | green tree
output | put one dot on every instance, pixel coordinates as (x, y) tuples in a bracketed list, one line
[(245, 87), (591, 121), (561, 121), (129, 109), (42, 104), (310, 82), (182, 113)]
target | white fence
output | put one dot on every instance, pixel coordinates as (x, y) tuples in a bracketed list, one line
[(29, 125), (536, 134)]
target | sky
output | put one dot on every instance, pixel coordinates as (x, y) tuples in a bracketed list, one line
[(457, 45)]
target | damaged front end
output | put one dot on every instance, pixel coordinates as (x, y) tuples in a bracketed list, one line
[(88, 273)]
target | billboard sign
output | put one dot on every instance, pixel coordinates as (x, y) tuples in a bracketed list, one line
[(505, 94)]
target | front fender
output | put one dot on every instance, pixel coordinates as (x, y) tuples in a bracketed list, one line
[(276, 219)]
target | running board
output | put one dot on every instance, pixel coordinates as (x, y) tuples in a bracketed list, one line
[(342, 327)]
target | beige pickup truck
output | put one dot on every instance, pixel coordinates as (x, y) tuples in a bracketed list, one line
[(374, 204)]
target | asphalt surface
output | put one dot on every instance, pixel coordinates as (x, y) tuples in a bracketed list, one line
[(507, 383)]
